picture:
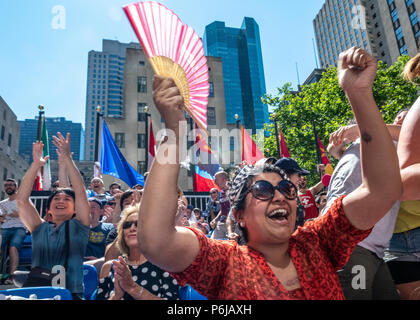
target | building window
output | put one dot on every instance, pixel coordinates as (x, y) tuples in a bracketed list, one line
[(141, 115), (141, 141), (211, 89), (5, 174), (9, 140), (141, 167), (142, 84), (3, 129), (211, 116), (120, 139), (232, 144)]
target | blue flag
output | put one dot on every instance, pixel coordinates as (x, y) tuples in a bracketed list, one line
[(113, 162)]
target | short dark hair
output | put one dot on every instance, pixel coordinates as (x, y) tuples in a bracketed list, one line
[(114, 184), (319, 195), (11, 180), (67, 191), (125, 195)]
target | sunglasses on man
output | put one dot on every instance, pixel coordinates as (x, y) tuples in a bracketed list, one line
[(264, 190)]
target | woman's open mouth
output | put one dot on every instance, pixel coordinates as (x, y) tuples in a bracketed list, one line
[(280, 216)]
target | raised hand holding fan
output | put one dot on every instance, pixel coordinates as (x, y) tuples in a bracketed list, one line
[(174, 50)]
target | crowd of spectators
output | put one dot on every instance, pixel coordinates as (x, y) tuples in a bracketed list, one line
[(263, 233)]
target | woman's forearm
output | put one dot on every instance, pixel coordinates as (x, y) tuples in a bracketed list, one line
[(27, 211), (76, 180), (26, 186), (62, 176), (160, 197)]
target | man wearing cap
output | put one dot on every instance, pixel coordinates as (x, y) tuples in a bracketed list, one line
[(98, 230), (294, 172), (307, 196)]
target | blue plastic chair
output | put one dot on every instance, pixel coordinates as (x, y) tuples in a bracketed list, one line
[(25, 252), (188, 293), (90, 282), (40, 292)]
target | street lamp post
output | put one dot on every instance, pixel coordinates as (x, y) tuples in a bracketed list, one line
[(98, 117), (238, 121), (146, 119)]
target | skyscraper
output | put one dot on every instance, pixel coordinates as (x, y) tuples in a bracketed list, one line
[(28, 134), (338, 26), (243, 70), (396, 27), (386, 29), (105, 88)]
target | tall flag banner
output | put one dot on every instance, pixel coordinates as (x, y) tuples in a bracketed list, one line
[(43, 179), (284, 151), (250, 152), (206, 165), (322, 155), (113, 162), (152, 147), (324, 159)]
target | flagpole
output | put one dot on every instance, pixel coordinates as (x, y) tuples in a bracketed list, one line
[(41, 114), (277, 138), (146, 119), (192, 166), (238, 124), (37, 182), (318, 152), (98, 117)]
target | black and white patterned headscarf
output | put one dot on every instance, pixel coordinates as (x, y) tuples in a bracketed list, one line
[(241, 179)]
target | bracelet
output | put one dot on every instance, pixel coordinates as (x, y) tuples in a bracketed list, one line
[(141, 292)]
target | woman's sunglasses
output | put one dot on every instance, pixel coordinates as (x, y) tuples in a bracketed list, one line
[(264, 190), (128, 224)]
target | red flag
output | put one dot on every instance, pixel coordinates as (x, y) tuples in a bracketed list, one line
[(152, 147), (205, 165), (324, 159), (284, 151), (250, 152)]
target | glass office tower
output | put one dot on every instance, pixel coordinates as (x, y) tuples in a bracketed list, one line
[(243, 70)]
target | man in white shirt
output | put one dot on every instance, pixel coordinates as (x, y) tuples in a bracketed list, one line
[(13, 230)]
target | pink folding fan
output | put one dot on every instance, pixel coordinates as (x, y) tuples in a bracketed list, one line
[(174, 50)]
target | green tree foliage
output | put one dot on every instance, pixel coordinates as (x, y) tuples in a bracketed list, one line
[(325, 106)]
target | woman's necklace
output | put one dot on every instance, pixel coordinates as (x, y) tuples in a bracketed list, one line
[(137, 262)]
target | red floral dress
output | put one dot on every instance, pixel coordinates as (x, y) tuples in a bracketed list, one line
[(223, 270)]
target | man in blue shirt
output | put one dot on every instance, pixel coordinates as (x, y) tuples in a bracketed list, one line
[(98, 231)]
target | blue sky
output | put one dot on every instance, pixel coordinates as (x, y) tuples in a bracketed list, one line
[(43, 64)]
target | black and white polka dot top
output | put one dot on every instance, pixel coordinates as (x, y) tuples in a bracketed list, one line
[(147, 275)]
